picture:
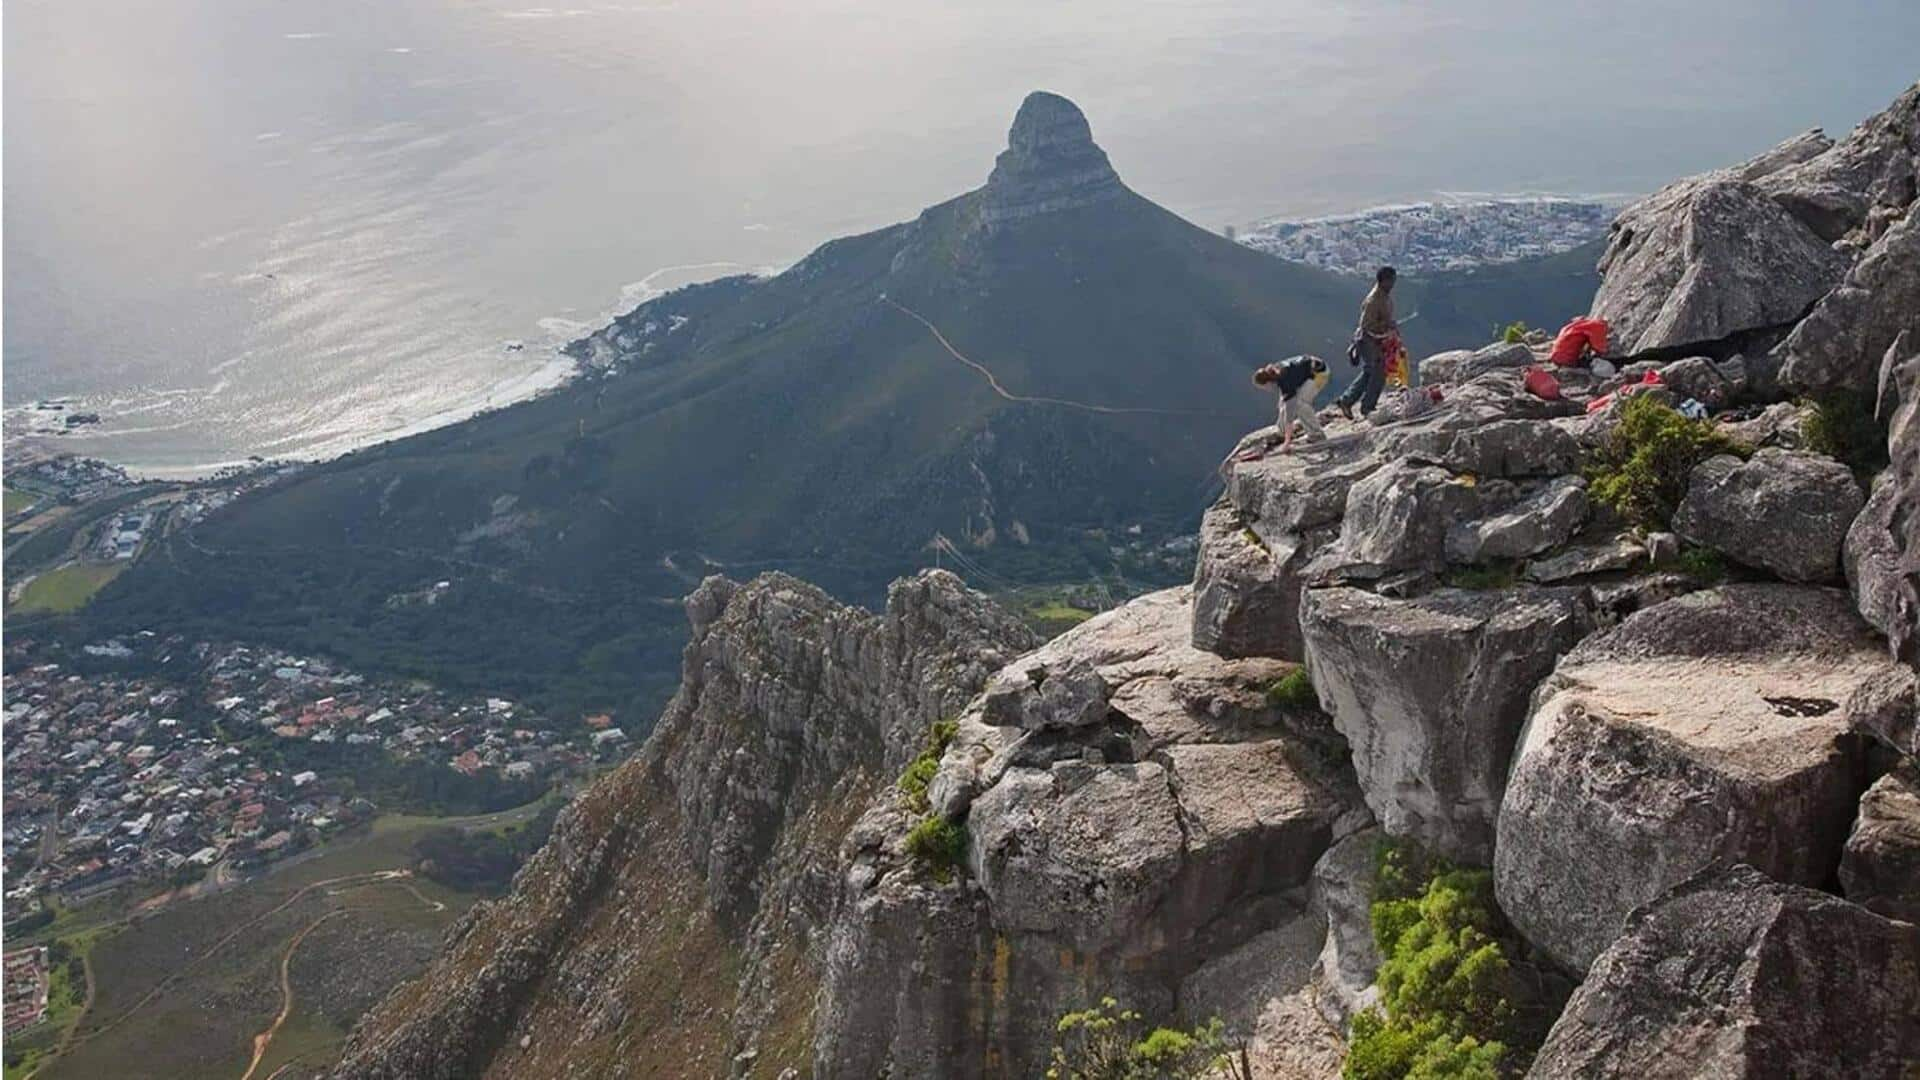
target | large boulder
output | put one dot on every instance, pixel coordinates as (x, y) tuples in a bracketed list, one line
[(1465, 442), (1246, 586), (1397, 519), (1881, 868), (1542, 520), (1298, 491), (1839, 344), (1431, 693), (1709, 727), (1705, 259), (1837, 191), (1783, 511), (1732, 975)]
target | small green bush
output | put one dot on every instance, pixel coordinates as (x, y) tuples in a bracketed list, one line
[(938, 845), (1704, 565), (1108, 1042), (1445, 976), (919, 772), (1642, 471), (1842, 426), (1514, 333), (1294, 690)]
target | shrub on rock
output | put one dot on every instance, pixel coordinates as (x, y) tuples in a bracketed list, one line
[(1643, 469)]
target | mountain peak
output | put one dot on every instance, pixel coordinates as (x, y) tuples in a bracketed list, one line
[(1051, 163)]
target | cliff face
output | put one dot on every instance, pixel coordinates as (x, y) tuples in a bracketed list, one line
[(1695, 797), (670, 924)]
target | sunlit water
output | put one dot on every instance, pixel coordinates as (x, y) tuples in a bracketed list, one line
[(286, 227)]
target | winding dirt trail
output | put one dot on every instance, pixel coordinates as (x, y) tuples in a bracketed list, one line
[(265, 1039), (994, 383)]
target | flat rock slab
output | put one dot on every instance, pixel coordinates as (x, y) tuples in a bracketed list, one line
[(1710, 727), (1431, 693), (1737, 976)]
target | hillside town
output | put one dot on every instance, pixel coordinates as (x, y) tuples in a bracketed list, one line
[(253, 755), (1451, 234)]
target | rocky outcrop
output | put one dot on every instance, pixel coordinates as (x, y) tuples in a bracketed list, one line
[(1148, 855), (1431, 693), (1783, 511), (1711, 727), (1852, 186), (1839, 344), (1879, 564), (1706, 259), (678, 899), (1734, 975), (1541, 521), (1460, 365), (1880, 870), (1050, 164), (1246, 586)]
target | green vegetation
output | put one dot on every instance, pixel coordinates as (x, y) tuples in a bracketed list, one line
[(919, 772), (938, 845), (16, 501), (1455, 1002), (481, 861), (1514, 333), (66, 589), (1294, 690), (212, 965), (1108, 1042), (1842, 426), (1704, 565), (1642, 470), (411, 785)]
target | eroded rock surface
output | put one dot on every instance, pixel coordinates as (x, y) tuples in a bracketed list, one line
[(1431, 693), (1735, 975), (1147, 856), (1881, 868), (1711, 727), (1783, 511)]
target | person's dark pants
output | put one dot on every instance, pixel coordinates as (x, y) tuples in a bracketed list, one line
[(1372, 379)]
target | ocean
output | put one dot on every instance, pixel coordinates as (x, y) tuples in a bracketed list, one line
[(241, 227)]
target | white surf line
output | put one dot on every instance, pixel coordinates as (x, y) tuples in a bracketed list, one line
[(994, 382)]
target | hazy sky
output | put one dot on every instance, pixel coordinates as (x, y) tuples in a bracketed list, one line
[(285, 226)]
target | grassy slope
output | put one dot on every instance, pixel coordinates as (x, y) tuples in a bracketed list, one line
[(234, 993), (797, 424), (68, 588)]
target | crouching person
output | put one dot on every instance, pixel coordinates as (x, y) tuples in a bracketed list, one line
[(1298, 379)]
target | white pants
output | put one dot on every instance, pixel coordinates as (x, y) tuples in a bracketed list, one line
[(1300, 407)]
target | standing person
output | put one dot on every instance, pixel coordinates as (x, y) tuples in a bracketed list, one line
[(1299, 379), (1377, 332)]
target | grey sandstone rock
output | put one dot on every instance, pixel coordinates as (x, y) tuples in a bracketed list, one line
[(1783, 511), (1838, 346), (1431, 693), (1619, 554), (1708, 727), (1704, 380), (1170, 863), (1874, 167), (1350, 961), (1294, 493), (1398, 516), (1463, 442), (1461, 365), (1541, 521), (1246, 587), (1880, 870), (1704, 259), (1872, 555), (1737, 976), (1778, 426)]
